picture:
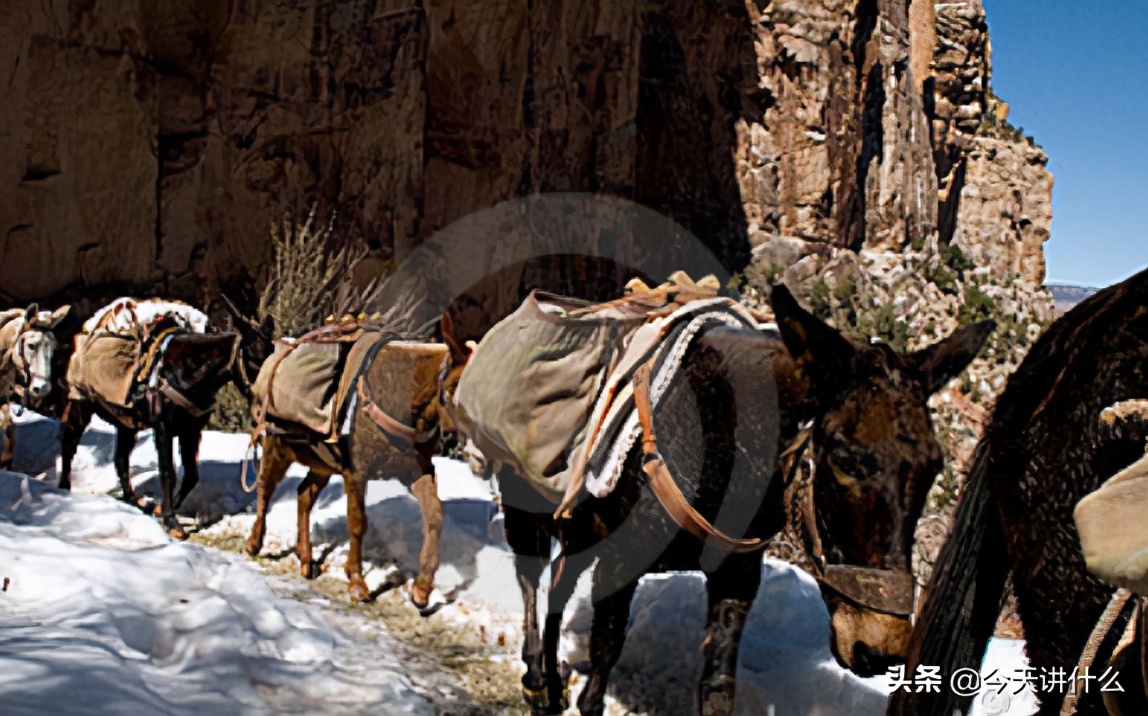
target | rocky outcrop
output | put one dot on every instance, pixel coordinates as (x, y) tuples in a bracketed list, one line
[(152, 144), (960, 70), (842, 158), (1004, 210)]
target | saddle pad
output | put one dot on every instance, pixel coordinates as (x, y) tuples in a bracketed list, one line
[(124, 314)]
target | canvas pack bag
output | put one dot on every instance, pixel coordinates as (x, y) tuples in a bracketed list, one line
[(547, 389), (309, 381), (1113, 525), (528, 389), (122, 343)]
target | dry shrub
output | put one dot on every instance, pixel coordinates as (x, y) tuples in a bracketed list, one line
[(231, 413), (308, 279)]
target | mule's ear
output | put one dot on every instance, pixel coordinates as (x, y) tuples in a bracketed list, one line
[(450, 336), (822, 353), (58, 315), (943, 361), (31, 312)]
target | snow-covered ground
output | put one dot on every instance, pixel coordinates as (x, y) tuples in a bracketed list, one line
[(105, 614)]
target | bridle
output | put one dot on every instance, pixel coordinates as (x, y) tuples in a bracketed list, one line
[(889, 591), (22, 367)]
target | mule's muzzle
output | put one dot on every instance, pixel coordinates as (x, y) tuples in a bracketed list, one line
[(39, 388)]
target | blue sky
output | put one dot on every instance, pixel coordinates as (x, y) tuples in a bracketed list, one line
[(1075, 76)]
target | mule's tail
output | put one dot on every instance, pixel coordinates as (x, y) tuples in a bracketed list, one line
[(963, 599)]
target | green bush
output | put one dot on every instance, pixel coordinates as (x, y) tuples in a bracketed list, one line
[(977, 306)]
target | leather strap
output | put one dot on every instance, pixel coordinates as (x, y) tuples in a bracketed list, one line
[(666, 490), (884, 590), (169, 392), (388, 424)]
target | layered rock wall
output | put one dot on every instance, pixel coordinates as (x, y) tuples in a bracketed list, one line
[(150, 145)]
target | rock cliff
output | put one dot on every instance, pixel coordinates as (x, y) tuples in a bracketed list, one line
[(150, 145)]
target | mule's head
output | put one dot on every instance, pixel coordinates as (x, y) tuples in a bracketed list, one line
[(33, 351), (256, 344), (872, 458)]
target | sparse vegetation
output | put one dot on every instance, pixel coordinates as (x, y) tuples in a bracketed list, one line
[(308, 277), (307, 280), (977, 306), (993, 124), (231, 413)]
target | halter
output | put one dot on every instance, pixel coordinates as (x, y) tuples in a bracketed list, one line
[(23, 369), (16, 360), (889, 591)]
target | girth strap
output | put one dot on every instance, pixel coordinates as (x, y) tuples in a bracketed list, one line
[(666, 490)]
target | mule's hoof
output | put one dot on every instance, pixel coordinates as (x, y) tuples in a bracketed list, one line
[(252, 547), (359, 591), (535, 699), (311, 570), (177, 533), (717, 696), (557, 703), (421, 594)]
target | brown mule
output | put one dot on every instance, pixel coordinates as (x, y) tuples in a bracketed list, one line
[(395, 429)]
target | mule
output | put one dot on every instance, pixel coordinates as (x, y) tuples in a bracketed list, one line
[(27, 348), (396, 427), (857, 413), (176, 404), (1042, 452), (28, 344)]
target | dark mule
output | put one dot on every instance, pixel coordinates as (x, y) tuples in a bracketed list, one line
[(192, 370), (869, 438), (1043, 451), (396, 429)]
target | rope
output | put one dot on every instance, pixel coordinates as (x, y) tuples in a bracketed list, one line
[(248, 454)]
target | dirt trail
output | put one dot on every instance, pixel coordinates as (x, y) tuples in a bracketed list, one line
[(461, 668)]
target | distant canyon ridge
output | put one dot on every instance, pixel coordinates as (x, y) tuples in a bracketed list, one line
[(149, 146)]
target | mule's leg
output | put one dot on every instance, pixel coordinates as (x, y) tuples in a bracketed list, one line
[(425, 491), (531, 546), (9, 449), (272, 469), (731, 590), (355, 486), (189, 438), (79, 415), (607, 635), (557, 696), (163, 444), (309, 490), (125, 443)]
